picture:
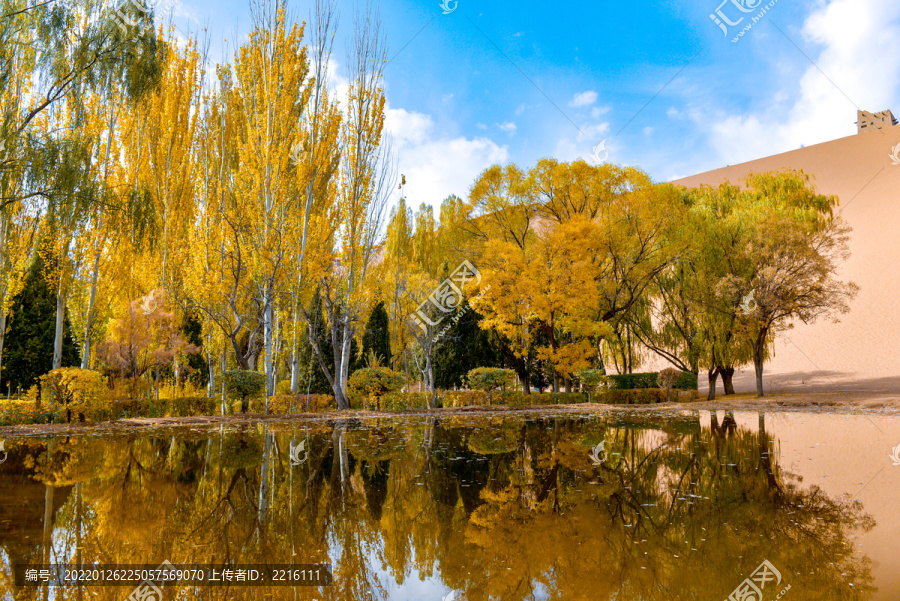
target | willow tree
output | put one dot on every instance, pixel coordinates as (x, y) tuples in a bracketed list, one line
[(53, 55), (792, 252)]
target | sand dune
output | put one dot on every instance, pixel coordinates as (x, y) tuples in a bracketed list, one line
[(863, 350)]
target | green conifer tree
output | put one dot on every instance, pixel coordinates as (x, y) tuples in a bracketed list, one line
[(28, 351), (377, 337)]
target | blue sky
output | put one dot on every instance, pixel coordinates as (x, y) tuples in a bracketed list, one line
[(499, 82)]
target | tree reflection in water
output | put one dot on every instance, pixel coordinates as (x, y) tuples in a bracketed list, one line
[(509, 508)]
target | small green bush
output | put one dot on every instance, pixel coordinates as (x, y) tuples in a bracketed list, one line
[(283, 404), (404, 401), (189, 406), (635, 396), (591, 379), (667, 379), (633, 381), (462, 398), (366, 386), (489, 379), (408, 401), (75, 391), (283, 388), (685, 381), (242, 385)]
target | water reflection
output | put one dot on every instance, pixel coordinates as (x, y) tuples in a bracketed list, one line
[(491, 508)]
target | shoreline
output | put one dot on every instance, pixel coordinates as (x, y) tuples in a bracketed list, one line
[(779, 401)]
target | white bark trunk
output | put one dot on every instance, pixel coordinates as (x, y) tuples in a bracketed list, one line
[(211, 385), (60, 320), (224, 367), (345, 355), (2, 333), (295, 353), (269, 348), (89, 320)]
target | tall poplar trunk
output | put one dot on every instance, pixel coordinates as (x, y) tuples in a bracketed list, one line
[(346, 339), (295, 352), (268, 339), (89, 321), (60, 321), (224, 368), (211, 385), (2, 333), (3, 226)]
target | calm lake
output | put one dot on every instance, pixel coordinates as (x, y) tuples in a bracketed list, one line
[(625, 505)]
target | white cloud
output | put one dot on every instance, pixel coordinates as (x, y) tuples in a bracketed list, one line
[(437, 165), (507, 126), (568, 149), (593, 132), (597, 111), (858, 40), (584, 98), (648, 130), (520, 109)]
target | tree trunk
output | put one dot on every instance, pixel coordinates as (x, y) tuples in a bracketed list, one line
[(712, 375), (211, 385), (269, 350), (522, 370), (429, 375), (555, 380), (60, 321), (568, 384), (2, 333), (346, 339), (89, 320), (295, 355), (224, 367), (727, 376), (759, 349)]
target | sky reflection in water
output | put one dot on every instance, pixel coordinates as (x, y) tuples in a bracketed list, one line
[(624, 506)]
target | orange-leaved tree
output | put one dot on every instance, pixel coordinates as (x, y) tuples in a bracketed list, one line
[(145, 337)]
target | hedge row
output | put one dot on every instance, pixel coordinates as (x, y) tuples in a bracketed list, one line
[(405, 401), (641, 396), (23, 412), (686, 381)]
